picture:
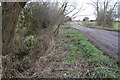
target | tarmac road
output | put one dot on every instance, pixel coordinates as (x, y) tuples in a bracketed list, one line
[(105, 40)]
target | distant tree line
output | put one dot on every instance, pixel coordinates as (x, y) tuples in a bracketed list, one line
[(105, 11)]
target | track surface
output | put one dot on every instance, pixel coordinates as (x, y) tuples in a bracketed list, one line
[(105, 40)]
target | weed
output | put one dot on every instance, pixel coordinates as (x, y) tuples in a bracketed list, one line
[(104, 72), (50, 55), (70, 59), (74, 48)]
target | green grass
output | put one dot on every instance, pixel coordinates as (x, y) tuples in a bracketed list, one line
[(70, 60), (81, 23), (80, 47), (115, 27)]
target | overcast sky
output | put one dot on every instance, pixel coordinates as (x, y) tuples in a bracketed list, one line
[(86, 11)]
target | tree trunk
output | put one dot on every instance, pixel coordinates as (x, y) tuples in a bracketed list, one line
[(98, 15), (104, 22), (10, 14)]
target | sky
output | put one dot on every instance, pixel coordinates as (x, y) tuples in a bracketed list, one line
[(86, 11)]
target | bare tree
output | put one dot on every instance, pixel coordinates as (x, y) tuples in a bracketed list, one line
[(41, 19), (108, 13), (118, 9), (105, 11)]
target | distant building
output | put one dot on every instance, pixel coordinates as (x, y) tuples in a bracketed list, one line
[(67, 18), (86, 19)]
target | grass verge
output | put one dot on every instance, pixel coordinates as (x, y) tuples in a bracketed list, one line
[(81, 52), (115, 27)]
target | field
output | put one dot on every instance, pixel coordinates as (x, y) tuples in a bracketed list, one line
[(115, 27)]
